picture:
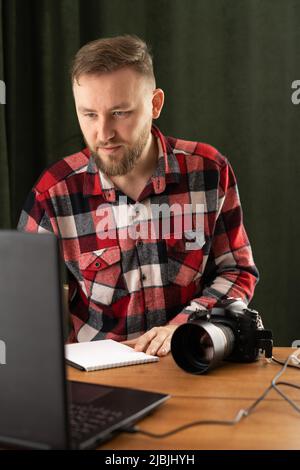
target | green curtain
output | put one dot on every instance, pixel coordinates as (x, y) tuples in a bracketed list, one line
[(226, 67)]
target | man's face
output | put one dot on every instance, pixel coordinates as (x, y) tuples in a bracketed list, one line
[(115, 112)]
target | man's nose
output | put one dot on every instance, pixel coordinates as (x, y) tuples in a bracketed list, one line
[(105, 131)]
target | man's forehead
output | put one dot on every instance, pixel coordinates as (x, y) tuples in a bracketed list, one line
[(114, 88)]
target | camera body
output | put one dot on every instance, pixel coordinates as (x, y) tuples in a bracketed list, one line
[(250, 337), (229, 331)]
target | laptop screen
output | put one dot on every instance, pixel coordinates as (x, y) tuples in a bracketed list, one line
[(33, 395)]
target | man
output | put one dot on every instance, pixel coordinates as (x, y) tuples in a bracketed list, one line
[(150, 227)]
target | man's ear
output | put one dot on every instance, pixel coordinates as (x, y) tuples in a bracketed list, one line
[(157, 102)]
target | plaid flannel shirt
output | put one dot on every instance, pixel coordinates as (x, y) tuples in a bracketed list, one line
[(121, 286)]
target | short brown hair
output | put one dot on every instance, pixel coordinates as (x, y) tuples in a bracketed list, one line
[(109, 54)]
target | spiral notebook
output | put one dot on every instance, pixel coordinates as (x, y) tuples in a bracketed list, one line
[(104, 354)]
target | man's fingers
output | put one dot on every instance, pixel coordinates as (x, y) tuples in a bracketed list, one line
[(155, 344), (144, 340), (165, 348), (156, 341)]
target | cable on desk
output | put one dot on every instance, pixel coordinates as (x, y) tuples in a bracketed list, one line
[(282, 363), (238, 417), (242, 413)]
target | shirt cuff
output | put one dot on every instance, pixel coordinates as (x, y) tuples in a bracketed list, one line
[(204, 303)]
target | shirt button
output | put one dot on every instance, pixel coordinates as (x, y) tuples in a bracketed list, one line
[(144, 277), (97, 264), (139, 243)]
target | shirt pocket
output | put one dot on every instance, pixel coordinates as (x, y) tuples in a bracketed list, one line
[(185, 261), (101, 271)]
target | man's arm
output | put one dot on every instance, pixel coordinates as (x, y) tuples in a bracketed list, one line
[(35, 217), (230, 270)]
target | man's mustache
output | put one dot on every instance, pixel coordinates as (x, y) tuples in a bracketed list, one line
[(111, 144)]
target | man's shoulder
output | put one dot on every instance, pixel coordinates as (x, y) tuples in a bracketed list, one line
[(62, 169), (200, 150)]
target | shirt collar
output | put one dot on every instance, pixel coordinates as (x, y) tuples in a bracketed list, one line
[(167, 171)]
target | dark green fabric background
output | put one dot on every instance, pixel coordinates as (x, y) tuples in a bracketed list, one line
[(226, 67)]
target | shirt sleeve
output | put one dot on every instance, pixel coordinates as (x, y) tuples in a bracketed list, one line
[(230, 271), (36, 214)]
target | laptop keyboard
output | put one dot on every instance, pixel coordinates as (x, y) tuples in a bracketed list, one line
[(87, 420)]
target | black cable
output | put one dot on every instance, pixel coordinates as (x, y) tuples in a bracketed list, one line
[(289, 384), (282, 363), (238, 417)]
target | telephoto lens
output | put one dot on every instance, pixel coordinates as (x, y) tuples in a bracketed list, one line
[(200, 345)]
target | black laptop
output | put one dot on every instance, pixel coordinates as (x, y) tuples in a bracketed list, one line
[(39, 408)]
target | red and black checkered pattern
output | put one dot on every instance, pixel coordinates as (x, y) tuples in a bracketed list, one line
[(121, 285)]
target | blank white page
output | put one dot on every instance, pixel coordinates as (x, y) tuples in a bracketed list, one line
[(104, 354)]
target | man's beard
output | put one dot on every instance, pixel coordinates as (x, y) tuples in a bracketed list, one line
[(117, 165)]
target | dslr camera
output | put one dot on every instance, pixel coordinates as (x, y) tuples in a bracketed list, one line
[(229, 331)]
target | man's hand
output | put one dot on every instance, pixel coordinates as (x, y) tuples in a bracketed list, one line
[(156, 341)]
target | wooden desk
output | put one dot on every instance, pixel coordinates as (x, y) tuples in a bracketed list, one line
[(217, 395)]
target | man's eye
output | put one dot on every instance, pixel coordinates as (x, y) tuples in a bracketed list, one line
[(120, 113), (91, 115)]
